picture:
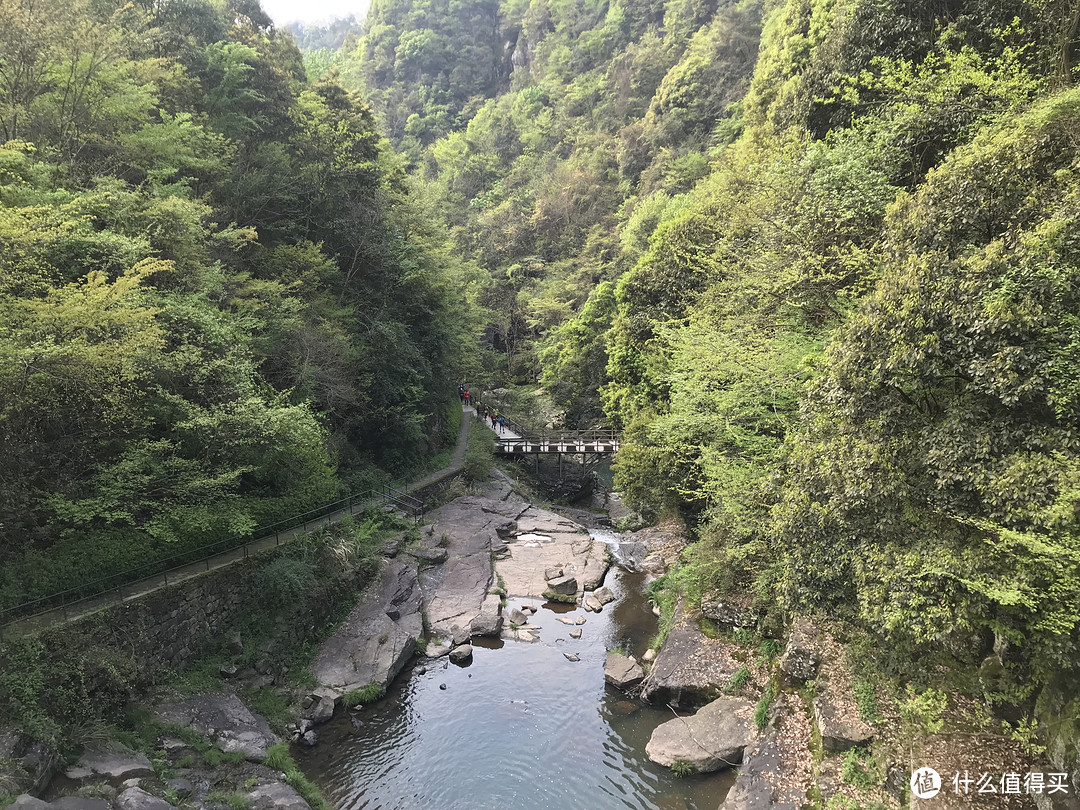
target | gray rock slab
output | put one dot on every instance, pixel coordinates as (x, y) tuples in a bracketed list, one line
[(276, 796), (592, 604), (456, 593), (459, 655), (755, 787), (226, 721), (371, 645), (690, 669), (713, 738), (27, 802), (840, 729), (489, 621), (622, 671), (111, 762), (604, 595), (78, 803), (566, 545), (135, 798)]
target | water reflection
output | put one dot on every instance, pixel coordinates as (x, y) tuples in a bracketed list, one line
[(521, 727)]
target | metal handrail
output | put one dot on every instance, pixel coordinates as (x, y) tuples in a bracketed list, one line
[(260, 535)]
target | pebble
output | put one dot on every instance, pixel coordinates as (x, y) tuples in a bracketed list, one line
[(571, 657)]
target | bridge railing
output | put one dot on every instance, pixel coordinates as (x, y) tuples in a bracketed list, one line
[(141, 578), (546, 438)]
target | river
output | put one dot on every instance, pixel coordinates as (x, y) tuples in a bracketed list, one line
[(519, 728)]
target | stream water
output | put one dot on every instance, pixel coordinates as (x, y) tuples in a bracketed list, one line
[(520, 728)]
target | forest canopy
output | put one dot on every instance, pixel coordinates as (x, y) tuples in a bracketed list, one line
[(221, 302)]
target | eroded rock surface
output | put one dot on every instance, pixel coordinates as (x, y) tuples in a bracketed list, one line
[(754, 788), (802, 655), (710, 740), (379, 635), (840, 727), (225, 721), (622, 672), (471, 528), (109, 762), (690, 669)]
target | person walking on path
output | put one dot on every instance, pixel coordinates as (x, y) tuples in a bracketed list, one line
[(502, 424), (466, 397)]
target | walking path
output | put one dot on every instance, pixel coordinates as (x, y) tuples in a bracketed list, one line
[(503, 433), (136, 590)]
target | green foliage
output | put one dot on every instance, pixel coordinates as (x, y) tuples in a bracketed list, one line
[(920, 714), (855, 774), (1026, 734), (236, 801), (738, 681), (866, 700), (268, 703), (681, 768), (479, 453), (365, 694), (761, 711), (191, 347), (279, 759)]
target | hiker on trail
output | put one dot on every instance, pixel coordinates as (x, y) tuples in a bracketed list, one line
[(461, 391), (494, 418), (466, 397), (502, 423)]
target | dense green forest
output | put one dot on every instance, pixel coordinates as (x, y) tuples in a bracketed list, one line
[(222, 302), (816, 259)]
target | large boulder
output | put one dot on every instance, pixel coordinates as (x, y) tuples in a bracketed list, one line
[(690, 668), (276, 796), (377, 638), (489, 621), (564, 586), (28, 802), (757, 787), (111, 762), (318, 707), (622, 672), (135, 798), (462, 654), (729, 610), (710, 740), (837, 719), (224, 719), (604, 595), (802, 656)]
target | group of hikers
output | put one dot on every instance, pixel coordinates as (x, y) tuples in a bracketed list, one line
[(498, 420)]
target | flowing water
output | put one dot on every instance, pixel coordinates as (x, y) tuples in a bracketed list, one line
[(520, 728)]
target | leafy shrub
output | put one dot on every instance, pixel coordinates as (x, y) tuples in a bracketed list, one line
[(286, 580), (866, 700), (479, 454)]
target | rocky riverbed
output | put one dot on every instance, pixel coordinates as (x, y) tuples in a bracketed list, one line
[(495, 638)]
